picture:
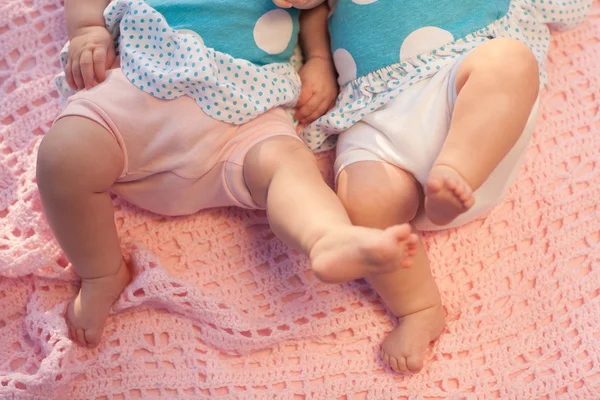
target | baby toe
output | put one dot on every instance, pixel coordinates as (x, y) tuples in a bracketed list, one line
[(92, 338), (402, 367), (434, 185), (385, 357), (72, 333), (452, 184), (80, 336), (414, 364), (406, 263), (393, 363)]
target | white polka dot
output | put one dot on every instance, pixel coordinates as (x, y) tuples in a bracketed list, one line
[(273, 31), (346, 66), (423, 40), (364, 1)]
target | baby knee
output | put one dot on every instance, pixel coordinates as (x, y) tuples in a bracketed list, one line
[(269, 156), (513, 61), (522, 63), (397, 203), (63, 165), (52, 163), (76, 155), (272, 153)]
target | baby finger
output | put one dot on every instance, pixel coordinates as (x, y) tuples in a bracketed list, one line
[(318, 112), (100, 64), (308, 108), (76, 70), (87, 68), (69, 75)]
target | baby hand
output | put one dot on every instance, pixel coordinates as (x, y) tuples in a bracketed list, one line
[(300, 4), (319, 89), (91, 54)]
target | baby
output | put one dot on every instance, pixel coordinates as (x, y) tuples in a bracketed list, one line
[(188, 116), (437, 106)]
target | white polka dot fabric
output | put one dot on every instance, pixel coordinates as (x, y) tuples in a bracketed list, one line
[(273, 31), (169, 64), (426, 51)]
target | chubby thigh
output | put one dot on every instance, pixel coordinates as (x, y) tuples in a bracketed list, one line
[(178, 160), (409, 133)]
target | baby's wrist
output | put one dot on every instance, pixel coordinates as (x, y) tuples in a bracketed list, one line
[(320, 56), (83, 30)]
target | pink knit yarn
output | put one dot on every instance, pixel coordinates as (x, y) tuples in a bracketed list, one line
[(220, 309)]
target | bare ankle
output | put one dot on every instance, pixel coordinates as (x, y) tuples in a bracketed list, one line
[(88, 311), (112, 273)]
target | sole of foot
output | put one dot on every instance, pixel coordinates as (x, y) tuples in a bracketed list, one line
[(357, 252), (447, 195)]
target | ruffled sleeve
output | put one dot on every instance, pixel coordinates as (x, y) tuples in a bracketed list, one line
[(562, 14)]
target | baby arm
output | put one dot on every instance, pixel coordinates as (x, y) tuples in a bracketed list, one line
[(319, 85), (91, 47)]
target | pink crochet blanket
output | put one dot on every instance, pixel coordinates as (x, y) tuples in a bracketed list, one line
[(220, 309)]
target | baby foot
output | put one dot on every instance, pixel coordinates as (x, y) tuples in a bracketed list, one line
[(89, 310), (447, 195), (357, 252), (404, 348)]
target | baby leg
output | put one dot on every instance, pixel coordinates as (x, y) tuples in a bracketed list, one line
[(303, 211), (497, 86), (78, 161), (379, 195)]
